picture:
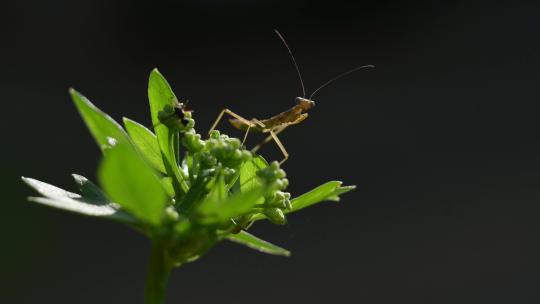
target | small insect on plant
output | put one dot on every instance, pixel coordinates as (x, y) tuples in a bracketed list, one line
[(278, 123), (175, 117)]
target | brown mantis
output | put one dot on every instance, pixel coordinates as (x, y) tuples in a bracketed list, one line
[(277, 123)]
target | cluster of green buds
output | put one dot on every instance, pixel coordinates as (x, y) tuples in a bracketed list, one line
[(218, 153), (225, 155), (276, 201), (205, 163)]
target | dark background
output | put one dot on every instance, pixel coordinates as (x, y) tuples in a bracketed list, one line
[(442, 139)]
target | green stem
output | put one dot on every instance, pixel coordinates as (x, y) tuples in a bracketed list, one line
[(158, 275), (179, 184)]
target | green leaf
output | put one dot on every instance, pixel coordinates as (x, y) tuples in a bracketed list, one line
[(128, 181), (213, 210), (213, 200), (167, 184), (256, 243), (218, 192), (248, 173), (69, 201), (103, 128), (196, 192), (160, 95), (90, 191), (48, 190), (146, 143), (329, 191)]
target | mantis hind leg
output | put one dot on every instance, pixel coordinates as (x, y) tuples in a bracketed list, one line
[(273, 135), (248, 123), (269, 137), (281, 147)]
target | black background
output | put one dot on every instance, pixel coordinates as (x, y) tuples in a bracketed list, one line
[(442, 139)]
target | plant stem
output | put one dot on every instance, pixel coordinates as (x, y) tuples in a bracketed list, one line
[(179, 184), (158, 275)]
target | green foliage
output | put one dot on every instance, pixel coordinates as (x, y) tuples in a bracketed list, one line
[(251, 241), (58, 198), (161, 97), (146, 143), (132, 184), (184, 192), (105, 130), (329, 191)]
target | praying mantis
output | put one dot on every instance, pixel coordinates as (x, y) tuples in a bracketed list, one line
[(278, 123)]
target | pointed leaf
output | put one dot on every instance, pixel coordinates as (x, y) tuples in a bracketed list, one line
[(196, 192), (215, 198), (103, 128), (48, 190), (128, 181), (167, 184), (69, 201), (329, 191), (90, 191), (253, 242), (248, 173), (76, 206), (146, 143), (160, 95)]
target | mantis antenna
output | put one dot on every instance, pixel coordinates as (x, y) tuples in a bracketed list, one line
[(339, 76), (294, 61)]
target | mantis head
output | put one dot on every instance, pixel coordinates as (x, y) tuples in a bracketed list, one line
[(304, 103)]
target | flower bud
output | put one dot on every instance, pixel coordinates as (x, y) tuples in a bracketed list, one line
[(214, 134), (274, 165), (278, 184), (280, 173), (237, 154), (193, 142), (276, 216), (190, 123), (288, 204), (285, 183), (170, 214), (207, 160), (277, 204), (246, 155), (235, 143), (287, 195), (228, 172), (279, 196)]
